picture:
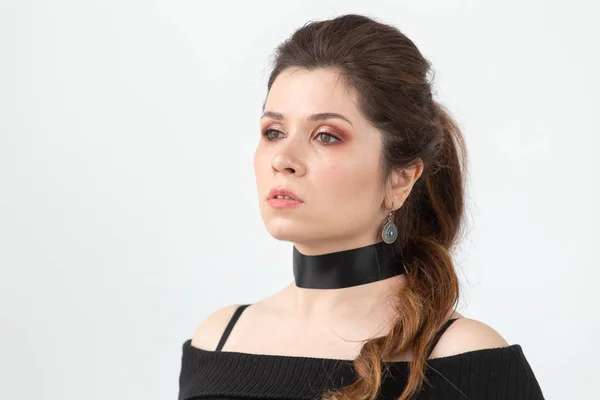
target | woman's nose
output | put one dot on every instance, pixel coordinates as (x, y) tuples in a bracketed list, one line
[(287, 163)]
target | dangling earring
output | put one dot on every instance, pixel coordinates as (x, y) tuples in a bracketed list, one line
[(390, 231)]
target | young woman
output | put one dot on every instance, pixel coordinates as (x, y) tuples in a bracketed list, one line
[(364, 173)]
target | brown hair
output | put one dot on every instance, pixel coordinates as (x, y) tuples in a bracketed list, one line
[(390, 78)]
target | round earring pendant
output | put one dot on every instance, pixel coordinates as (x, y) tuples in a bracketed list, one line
[(390, 232)]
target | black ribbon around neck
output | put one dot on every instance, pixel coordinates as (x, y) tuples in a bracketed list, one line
[(346, 268)]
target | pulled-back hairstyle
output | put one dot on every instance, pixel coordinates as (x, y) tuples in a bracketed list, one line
[(390, 78)]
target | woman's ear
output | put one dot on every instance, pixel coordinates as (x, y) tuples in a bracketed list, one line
[(401, 183)]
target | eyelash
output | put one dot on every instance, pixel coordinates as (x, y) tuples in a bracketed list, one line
[(266, 135)]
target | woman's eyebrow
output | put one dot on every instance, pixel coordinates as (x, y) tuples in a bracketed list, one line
[(314, 117)]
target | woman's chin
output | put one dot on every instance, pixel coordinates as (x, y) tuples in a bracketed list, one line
[(284, 234), (285, 230)]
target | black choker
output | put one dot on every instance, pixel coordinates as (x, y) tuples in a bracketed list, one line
[(346, 268)]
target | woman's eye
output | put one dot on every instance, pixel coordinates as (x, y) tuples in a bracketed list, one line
[(271, 134), (327, 138)]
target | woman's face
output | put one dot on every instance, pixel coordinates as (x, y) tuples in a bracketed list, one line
[(332, 164)]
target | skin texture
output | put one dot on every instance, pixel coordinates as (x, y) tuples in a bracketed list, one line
[(333, 166)]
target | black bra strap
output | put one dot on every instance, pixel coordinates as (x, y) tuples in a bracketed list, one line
[(240, 310), (439, 334), (232, 321)]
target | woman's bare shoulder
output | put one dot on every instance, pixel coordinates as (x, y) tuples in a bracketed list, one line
[(466, 334), (211, 329)]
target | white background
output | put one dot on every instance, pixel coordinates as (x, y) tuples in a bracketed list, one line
[(128, 209)]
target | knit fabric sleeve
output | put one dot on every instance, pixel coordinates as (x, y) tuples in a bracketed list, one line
[(490, 374)]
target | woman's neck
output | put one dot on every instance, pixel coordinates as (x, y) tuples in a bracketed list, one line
[(349, 282), (355, 303), (326, 246)]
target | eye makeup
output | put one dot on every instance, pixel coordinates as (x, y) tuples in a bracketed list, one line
[(271, 134)]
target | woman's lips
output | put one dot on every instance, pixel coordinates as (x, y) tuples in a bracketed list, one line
[(283, 203), (276, 198)]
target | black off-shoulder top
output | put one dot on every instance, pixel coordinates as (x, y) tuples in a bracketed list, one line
[(491, 374)]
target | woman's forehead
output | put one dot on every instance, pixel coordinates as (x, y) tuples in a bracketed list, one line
[(300, 92)]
